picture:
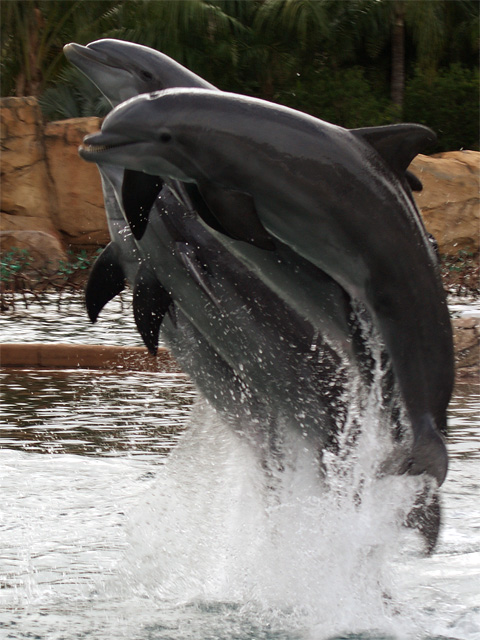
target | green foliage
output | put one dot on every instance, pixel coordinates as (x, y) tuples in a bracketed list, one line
[(73, 97), (12, 265), (18, 271), (33, 33), (330, 58), (346, 98), (448, 103), (76, 262), (461, 273)]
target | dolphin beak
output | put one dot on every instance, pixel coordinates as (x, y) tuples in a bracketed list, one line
[(97, 143), (81, 56)]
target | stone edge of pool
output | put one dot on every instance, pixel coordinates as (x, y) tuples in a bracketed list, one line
[(22, 355), (85, 356)]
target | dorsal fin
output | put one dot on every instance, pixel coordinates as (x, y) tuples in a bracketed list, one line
[(106, 280), (414, 183), (139, 192), (398, 144)]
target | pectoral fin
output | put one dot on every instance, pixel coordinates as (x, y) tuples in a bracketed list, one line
[(106, 280), (236, 215), (139, 192), (201, 207), (150, 304)]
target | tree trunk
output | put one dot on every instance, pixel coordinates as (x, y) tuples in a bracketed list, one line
[(398, 55)]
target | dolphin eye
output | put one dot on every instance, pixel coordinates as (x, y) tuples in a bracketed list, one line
[(146, 74), (165, 136)]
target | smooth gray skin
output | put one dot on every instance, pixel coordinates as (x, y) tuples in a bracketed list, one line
[(267, 345), (123, 70), (217, 382), (325, 193), (119, 69), (107, 62), (97, 61), (245, 344), (119, 232)]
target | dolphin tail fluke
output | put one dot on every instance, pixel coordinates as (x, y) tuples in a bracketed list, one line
[(150, 304), (106, 280), (139, 192)]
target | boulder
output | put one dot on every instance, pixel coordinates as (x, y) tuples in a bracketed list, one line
[(26, 186), (450, 200), (45, 251), (77, 184), (9, 222)]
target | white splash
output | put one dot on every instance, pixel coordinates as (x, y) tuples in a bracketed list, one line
[(292, 539)]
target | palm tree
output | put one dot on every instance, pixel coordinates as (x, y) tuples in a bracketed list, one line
[(427, 23), (33, 33)]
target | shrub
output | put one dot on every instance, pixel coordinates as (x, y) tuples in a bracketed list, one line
[(448, 103)]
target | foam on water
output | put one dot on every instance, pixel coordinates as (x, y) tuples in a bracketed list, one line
[(293, 545)]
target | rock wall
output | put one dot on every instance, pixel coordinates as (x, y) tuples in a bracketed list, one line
[(450, 200), (47, 187)]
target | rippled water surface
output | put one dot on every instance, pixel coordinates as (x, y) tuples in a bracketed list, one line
[(128, 510), (53, 319)]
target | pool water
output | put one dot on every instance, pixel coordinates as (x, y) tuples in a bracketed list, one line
[(130, 510)]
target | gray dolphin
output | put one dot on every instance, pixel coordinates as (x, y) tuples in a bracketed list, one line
[(153, 306), (122, 69), (216, 380), (318, 188), (152, 256)]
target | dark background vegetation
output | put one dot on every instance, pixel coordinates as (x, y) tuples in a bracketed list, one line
[(351, 62)]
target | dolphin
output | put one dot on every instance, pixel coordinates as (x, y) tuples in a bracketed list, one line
[(122, 70), (217, 382), (97, 61), (325, 192), (267, 344)]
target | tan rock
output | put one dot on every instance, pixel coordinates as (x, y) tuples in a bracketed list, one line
[(80, 209), (27, 223), (19, 117), (466, 335), (450, 200), (28, 192), (26, 187), (45, 251)]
